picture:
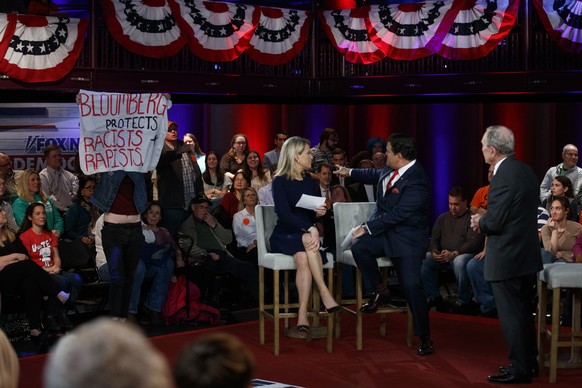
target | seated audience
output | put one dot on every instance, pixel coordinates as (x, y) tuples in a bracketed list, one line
[(266, 192), (197, 154), (81, 217), (256, 174), (42, 247), (363, 192), (567, 168), (376, 144), (272, 157), (217, 360), (231, 202), (339, 158), (106, 353), (559, 234), (244, 226), (11, 176), (156, 262), (379, 160), (60, 185), (234, 159), (20, 275), (453, 243), (207, 240), (562, 185), (30, 191), (5, 203), (216, 183), (324, 177), (479, 202), (9, 366)]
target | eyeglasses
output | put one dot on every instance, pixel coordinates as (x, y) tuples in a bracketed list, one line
[(240, 142)]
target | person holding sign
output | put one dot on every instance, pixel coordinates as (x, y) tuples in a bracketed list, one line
[(295, 232)]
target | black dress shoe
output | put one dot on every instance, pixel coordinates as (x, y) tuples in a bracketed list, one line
[(509, 378), (425, 347), (504, 369), (376, 300)]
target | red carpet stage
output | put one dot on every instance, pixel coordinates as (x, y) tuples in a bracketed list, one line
[(467, 349)]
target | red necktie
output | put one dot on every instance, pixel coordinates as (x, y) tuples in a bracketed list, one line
[(391, 179)]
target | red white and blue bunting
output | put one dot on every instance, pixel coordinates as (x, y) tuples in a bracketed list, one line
[(144, 27), (563, 22), (217, 32), (478, 28), (280, 35), (39, 48), (411, 31)]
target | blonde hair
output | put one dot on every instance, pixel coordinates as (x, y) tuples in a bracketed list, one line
[(292, 146), (106, 353), (9, 367), (22, 187), (7, 234)]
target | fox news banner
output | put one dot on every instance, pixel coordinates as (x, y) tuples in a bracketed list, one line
[(121, 131)]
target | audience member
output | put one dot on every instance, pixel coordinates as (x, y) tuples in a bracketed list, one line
[(231, 202), (11, 176), (562, 186), (375, 145), (216, 183), (272, 157), (217, 360), (398, 229), (513, 258), (567, 168), (122, 197), (363, 192), (339, 159), (197, 154), (453, 243), (266, 192), (30, 191), (379, 160), (20, 275), (156, 262), (559, 234), (322, 152), (5, 203), (295, 233), (42, 247), (208, 246), (81, 217), (479, 202), (577, 249), (104, 353), (178, 179), (234, 159), (324, 176), (60, 185), (255, 173), (244, 227), (9, 366)]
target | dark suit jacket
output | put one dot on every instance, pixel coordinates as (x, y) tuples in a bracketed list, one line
[(400, 218), (513, 248)]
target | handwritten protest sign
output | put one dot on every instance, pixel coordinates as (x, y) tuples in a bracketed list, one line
[(121, 131)]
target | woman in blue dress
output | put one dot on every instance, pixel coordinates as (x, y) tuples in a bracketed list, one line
[(295, 233)]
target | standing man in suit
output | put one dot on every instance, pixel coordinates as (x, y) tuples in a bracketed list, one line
[(398, 228), (513, 254)]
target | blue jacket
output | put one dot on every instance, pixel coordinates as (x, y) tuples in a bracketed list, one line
[(108, 186)]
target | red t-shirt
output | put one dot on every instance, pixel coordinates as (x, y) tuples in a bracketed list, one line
[(39, 246)]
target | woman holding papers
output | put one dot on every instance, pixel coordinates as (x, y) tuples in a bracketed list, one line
[(295, 233)]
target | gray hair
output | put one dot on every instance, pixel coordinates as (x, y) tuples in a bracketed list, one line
[(501, 138), (106, 354)]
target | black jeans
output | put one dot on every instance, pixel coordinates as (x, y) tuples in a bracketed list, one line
[(122, 246)]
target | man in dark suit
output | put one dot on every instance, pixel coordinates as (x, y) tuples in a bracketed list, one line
[(513, 254), (398, 228)]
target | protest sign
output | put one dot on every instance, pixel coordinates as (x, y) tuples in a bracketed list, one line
[(121, 131)]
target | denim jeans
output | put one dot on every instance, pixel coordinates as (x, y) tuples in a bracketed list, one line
[(122, 245), (429, 273), (159, 289), (69, 282), (481, 287)]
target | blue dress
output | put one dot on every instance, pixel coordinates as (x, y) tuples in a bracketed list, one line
[(292, 221)]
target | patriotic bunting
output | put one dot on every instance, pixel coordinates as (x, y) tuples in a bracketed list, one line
[(563, 21), (280, 35), (144, 27), (347, 31), (39, 48), (411, 31), (478, 28), (216, 32)]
